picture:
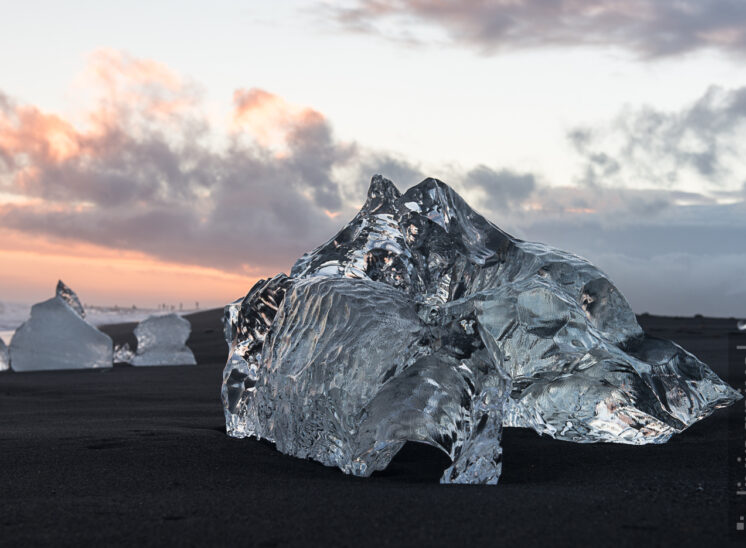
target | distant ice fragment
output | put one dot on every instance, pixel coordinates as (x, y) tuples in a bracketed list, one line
[(4, 357), (741, 325), (161, 340), (57, 336), (422, 321), (123, 353), (70, 298)]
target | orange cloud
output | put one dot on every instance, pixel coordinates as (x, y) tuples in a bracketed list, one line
[(270, 118), (129, 85), (27, 131), (45, 155), (131, 204), (130, 94)]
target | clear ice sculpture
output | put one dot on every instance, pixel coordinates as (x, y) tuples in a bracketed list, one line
[(422, 321), (57, 336), (161, 340), (4, 357)]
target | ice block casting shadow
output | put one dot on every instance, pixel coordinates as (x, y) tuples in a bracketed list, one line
[(422, 321)]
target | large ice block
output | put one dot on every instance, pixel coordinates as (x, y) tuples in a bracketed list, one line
[(4, 357), (422, 321), (161, 340), (57, 336)]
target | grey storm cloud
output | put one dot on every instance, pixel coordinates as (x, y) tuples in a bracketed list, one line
[(314, 153), (404, 173), (503, 189), (704, 139), (649, 28)]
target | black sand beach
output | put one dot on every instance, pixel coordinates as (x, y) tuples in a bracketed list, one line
[(140, 457)]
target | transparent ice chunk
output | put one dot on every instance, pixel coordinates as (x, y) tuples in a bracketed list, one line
[(4, 356), (123, 353), (161, 340), (422, 321), (57, 336)]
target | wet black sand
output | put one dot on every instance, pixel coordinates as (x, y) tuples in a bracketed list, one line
[(139, 456)]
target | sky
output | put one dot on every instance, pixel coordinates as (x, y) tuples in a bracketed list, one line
[(178, 151)]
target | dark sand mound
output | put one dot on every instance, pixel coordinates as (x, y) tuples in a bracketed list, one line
[(139, 456)]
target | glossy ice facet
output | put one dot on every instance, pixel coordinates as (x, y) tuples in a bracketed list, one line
[(161, 340), (70, 298), (422, 321), (246, 323), (57, 336)]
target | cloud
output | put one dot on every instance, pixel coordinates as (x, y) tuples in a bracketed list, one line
[(502, 190), (270, 118), (145, 171), (649, 28), (703, 143), (148, 172), (404, 173)]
